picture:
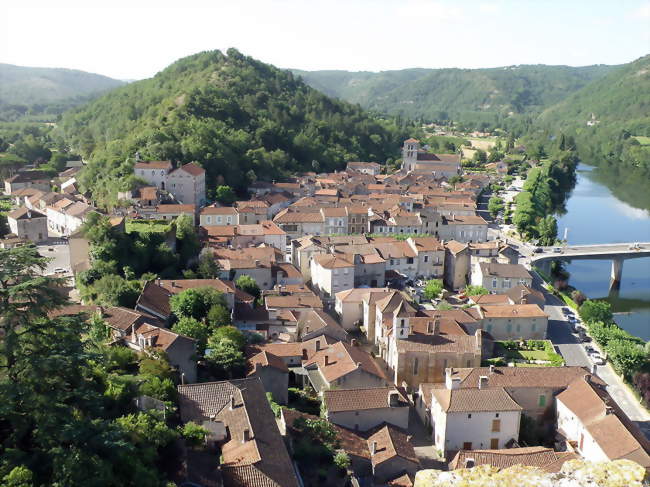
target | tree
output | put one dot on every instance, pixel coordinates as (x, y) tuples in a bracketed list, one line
[(114, 290), (208, 267), (188, 239), (247, 284), (495, 205), (225, 358), (474, 290), (547, 229), (195, 302), (194, 434), (193, 328), (225, 195), (479, 157), (433, 288), (218, 316), (592, 311), (444, 306), (229, 333), (578, 296), (342, 460), (626, 356), (19, 477)]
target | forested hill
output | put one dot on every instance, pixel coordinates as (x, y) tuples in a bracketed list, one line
[(619, 133), (238, 117), (460, 94), (24, 89)]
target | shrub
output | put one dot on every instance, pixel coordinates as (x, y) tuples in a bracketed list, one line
[(194, 434), (342, 460), (433, 289), (591, 311)]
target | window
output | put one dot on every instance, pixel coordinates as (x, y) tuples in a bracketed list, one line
[(494, 443), (467, 445), (494, 283), (469, 416), (496, 415), (426, 258), (518, 327), (444, 364), (401, 322), (409, 260), (469, 364), (542, 400), (509, 327), (534, 327), (415, 366), (496, 425)]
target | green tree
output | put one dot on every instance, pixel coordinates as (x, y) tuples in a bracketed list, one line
[(208, 267), (19, 476), (479, 157), (592, 311), (342, 460), (495, 205), (195, 302), (547, 229), (218, 316), (193, 328), (433, 288), (247, 284), (474, 290), (626, 356), (229, 333), (194, 434), (225, 358), (188, 239), (114, 290), (225, 195)]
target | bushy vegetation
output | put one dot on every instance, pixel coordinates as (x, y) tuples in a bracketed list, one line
[(433, 288), (67, 406), (239, 118), (626, 352)]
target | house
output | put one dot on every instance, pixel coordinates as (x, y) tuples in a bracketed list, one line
[(155, 296), (241, 236), (272, 372), (66, 216), (245, 447), (331, 273), (463, 228), (462, 257), (28, 224), (253, 211), (363, 409), (472, 418), (315, 322), (372, 168), (349, 305), (27, 179), (171, 212), (256, 262), (219, 215), (299, 223), (533, 456), (186, 183), (335, 220), (591, 422), (534, 388), (522, 294), (392, 455), (499, 278), (345, 367), (514, 321)]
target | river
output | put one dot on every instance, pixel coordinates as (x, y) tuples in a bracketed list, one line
[(594, 214)]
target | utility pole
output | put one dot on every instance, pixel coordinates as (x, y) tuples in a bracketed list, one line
[(566, 235)]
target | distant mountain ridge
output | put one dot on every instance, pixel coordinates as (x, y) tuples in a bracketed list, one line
[(21, 85), (434, 94)]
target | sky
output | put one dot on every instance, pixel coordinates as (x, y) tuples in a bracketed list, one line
[(134, 39)]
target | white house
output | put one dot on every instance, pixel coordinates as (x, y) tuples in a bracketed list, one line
[(500, 278), (331, 273), (186, 183), (28, 224), (473, 418)]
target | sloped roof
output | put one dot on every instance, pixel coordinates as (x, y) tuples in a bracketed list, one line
[(475, 400), (390, 442), (536, 456), (260, 461), (343, 359), (338, 400)]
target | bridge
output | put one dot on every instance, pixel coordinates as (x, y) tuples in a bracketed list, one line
[(617, 253)]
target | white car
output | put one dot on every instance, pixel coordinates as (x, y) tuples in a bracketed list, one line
[(59, 270), (597, 359)]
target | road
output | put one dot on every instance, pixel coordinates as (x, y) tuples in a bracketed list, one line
[(59, 252)]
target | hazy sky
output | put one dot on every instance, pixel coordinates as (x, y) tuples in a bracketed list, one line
[(132, 39)]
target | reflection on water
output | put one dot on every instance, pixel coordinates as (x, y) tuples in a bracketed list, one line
[(595, 215)]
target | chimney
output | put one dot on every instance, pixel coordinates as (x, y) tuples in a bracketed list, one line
[(609, 410), (257, 263), (232, 402), (451, 382), (393, 399), (373, 448), (588, 378), (482, 381), (353, 342), (594, 368), (327, 359), (317, 344), (491, 369), (246, 435), (173, 283), (479, 338)]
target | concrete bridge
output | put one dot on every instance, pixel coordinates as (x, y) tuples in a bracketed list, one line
[(617, 253)]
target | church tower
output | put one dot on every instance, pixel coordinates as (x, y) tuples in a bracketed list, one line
[(410, 154)]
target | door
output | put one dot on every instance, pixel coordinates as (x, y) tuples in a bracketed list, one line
[(494, 443), (467, 445)]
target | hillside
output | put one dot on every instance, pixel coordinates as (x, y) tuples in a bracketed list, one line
[(437, 94), (239, 118), (620, 104), (25, 90)]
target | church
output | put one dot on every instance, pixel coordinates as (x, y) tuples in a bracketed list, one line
[(419, 160)]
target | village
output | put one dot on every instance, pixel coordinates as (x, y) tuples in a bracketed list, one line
[(387, 308)]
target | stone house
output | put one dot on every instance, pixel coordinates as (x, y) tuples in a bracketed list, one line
[(219, 215), (363, 409), (500, 278), (349, 305), (392, 456), (513, 322), (27, 179), (28, 224), (331, 274), (272, 372), (472, 418), (371, 168), (186, 183)]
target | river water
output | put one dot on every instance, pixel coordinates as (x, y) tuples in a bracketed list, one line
[(594, 214)]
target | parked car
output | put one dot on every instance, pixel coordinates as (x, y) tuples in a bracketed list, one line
[(557, 250), (538, 250), (566, 310), (59, 270), (589, 349)]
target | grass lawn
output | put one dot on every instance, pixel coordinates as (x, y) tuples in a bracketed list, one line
[(527, 354), (643, 140), (141, 226)]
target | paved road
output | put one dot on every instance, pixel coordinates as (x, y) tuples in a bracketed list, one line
[(59, 252)]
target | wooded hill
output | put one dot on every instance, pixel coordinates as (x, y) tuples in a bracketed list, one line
[(239, 118), (25, 90), (459, 94)]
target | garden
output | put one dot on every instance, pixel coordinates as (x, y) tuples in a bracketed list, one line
[(526, 353)]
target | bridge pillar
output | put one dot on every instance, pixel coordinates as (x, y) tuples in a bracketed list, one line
[(617, 272)]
